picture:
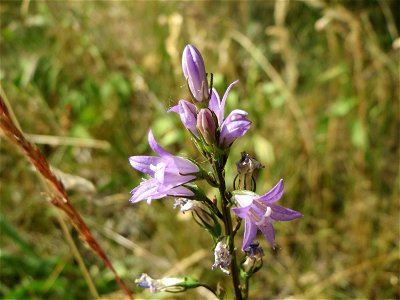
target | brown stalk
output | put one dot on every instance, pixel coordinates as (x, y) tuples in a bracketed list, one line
[(55, 189)]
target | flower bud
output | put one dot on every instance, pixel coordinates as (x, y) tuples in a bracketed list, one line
[(254, 258), (195, 73), (206, 125)]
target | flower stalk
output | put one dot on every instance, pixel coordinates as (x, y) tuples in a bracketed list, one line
[(220, 170)]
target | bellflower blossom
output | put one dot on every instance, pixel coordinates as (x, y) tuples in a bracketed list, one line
[(230, 128), (260, 213), (234, 125), (168, 174)]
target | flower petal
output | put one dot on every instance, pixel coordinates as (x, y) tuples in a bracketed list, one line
[(171, 180), (274, 194), (250, 232), (222, 106), (147, 190), (143, 163), (244, 199), (215, 106), (241, 211), (269, 232), (156, 147), (184, 166), (234, 126), (188, 113), (280, 213), (180, 191)]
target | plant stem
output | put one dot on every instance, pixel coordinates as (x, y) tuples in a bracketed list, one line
[(78, 257), (219, 168), (246, 289)]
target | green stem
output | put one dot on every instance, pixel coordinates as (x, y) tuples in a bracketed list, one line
[(219, 168), (208, 287), (246, 287)]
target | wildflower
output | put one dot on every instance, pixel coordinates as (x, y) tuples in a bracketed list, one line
[(206, 125), (254, 258), (195, 73), (222, 257), (188, 113), (234, 125), (229, 129), (172, 284), (168, 174), (260, 213)]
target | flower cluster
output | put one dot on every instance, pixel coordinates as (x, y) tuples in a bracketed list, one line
[(173, 176)]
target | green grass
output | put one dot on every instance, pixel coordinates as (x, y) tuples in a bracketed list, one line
[(109, 70)]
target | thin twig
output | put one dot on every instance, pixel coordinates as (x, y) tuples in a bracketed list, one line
[(68, 141), (78, 257)]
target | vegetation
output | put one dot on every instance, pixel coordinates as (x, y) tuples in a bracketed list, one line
[(320, 80)]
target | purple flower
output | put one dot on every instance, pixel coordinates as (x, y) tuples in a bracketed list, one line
[(260, 213), (234, 125), (195, 72), (168, 174), (188, 114)]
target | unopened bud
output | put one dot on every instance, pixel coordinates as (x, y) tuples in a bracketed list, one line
[(195, 73), (206, 125)]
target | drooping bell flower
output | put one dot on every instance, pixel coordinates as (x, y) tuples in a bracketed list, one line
[(195, 73), (260, 213), (168, 174)]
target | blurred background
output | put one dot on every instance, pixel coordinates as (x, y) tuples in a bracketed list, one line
[(320, 80)]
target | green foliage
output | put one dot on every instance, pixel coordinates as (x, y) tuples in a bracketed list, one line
[(110, 70)]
